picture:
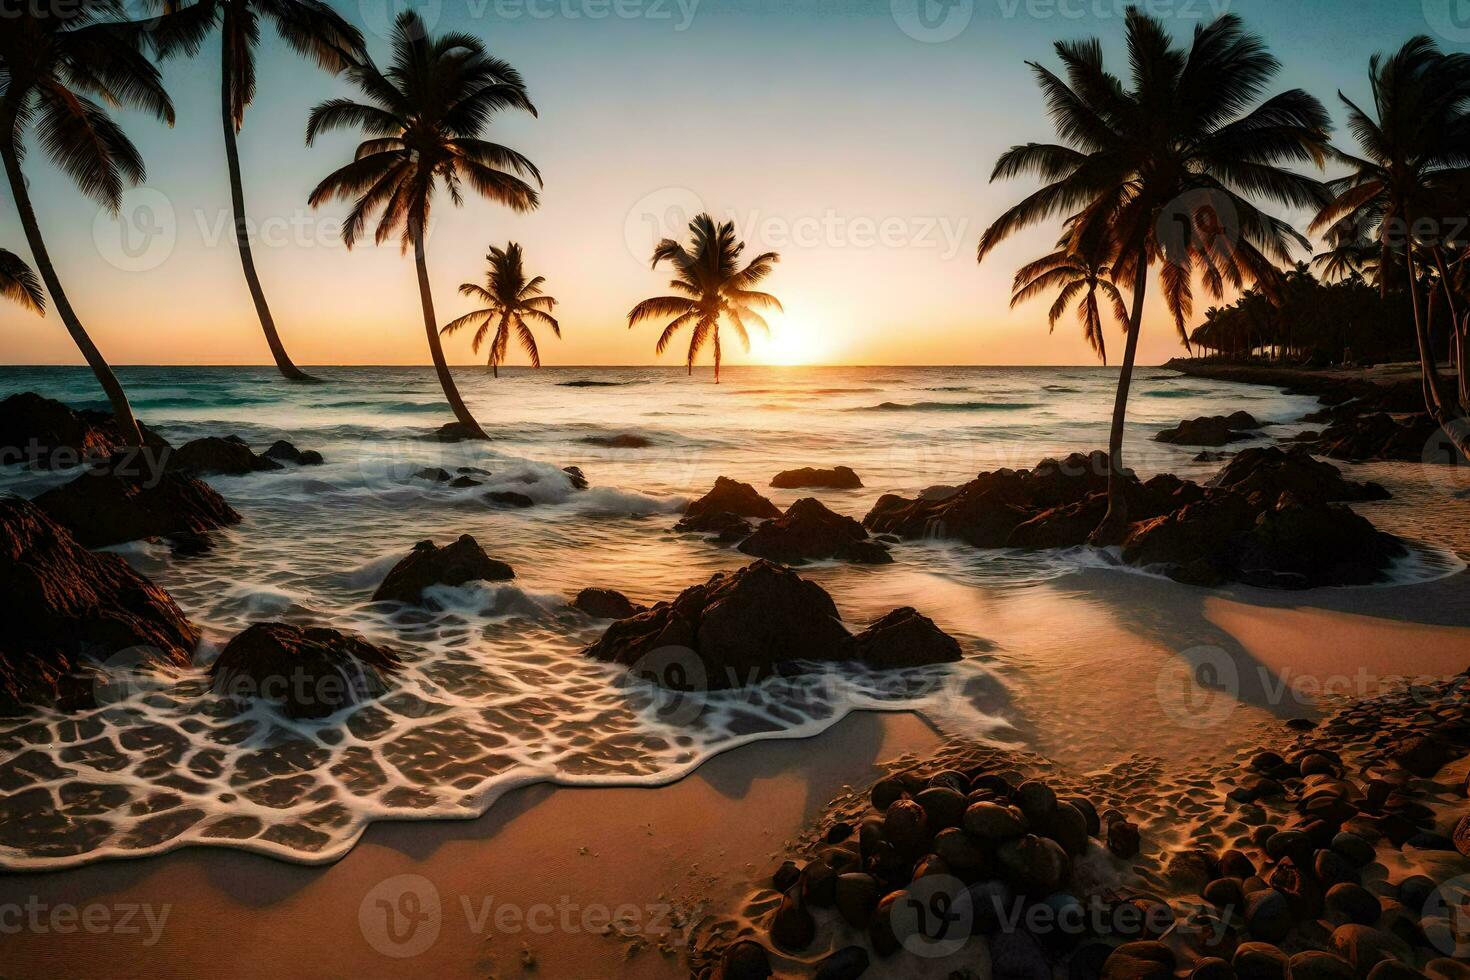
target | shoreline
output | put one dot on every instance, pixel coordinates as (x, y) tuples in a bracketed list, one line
[(1315, 381)]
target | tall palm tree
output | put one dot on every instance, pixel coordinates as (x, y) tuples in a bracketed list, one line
[(712, 287), (310, 27), (19, 284), (1079, 278), (1163, 169), (509, 301), (55, 55), (1411, 165), (423, 117)]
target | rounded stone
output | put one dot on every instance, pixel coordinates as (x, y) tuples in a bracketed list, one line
[(1353, 903), (1260, 961), (993, 822), (1314, 964), (1268, 915)]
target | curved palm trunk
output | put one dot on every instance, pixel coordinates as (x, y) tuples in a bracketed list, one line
[(237, 200), (1115, 521), (436, 350), (1454, 424), (1457, 339), (717, 354), (127, 426)]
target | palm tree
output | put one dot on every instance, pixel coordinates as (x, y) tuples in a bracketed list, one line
[(1413, 148), (1075, 276), (19, 284), (54, 55), (509, 301), (1162, 170), (423, 118), (314, 30), (713, 288)]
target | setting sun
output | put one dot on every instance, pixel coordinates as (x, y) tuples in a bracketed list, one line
[(790, 342)]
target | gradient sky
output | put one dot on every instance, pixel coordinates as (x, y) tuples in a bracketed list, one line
[(828, 132)]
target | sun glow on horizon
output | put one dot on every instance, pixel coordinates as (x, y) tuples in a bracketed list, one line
[(791, 342)]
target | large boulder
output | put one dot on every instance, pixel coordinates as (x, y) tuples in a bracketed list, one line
[(1381, 436), (68, 605), (837, 478), (1303, 543), (427, 564), (1211, 430), (285, 452), (222, 456), (808, 531), (1193, 543), (455, 432), (732, 497), (45, 434), (120, 502), (606, 604), (1271, 471), (760, 620), (310, 672), (903, 638)]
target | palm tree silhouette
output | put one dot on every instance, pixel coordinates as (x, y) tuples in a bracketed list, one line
[(423, 118), (54, 54), (1161, 171), (19, 284), (1078, 278), (509, 300), (315, 31), (713, 286), (1411, 166)]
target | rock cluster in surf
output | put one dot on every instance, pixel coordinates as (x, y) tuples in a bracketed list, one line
[(1211, 430), (429, 565)]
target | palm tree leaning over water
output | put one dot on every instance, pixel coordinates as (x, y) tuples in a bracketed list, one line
[(1163, 170), (55, 55), (314, 30), (19, 284), (1077, 278), (423, 117), (1411, 168), (509, 301), (712, 288)]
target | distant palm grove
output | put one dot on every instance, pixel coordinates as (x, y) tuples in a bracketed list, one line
[(1159, 183)]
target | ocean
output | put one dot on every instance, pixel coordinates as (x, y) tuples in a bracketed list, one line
[(495, 693)]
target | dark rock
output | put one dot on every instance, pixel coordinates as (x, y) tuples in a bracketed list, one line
[(745, 960), (1461, 836), (426, 565), (1394, 970), (1213, 430), (1225, 893), (70, 606), (885, 791), (607, 604), (1422, 756), (906, 827), (1260, 961), (961, 852), (792, 927), (45, 434), (623, 440), (1271, 472), (819, 884), (115, 503), (944, 806), (1380, 436), (742, 626), (1303, 893), (1317, 965), (576, 477), (1332, 868), (461, 482), (808, 531), (1015, 955), (1234, 864), (284, 452), (433, 474), (902, 638), (727, 527), (1205, 530), (786, 876), (1089, 814), (1365, 947), (730, 496), (880, 930), (1267, 915), (1355, 849), (1034, 866), (509, 498), (455, 432), (837, 478), (1036, 800), (311, 672), (1212, 968), (1142, 960), (994, 822), (1123, 838), (1353, 903), (213, 455), (857, 898), (848, 963)]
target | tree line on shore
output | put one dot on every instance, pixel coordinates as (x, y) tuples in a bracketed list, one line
[(1165, 170)]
